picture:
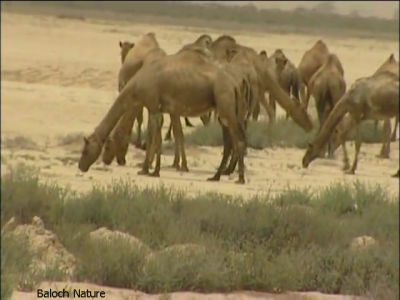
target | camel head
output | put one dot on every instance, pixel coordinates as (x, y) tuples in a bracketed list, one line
[(115, 148), (90, 152), (280, 61), (108, 152), (263, 53), (311, 154), (125, 47), (204, 40)]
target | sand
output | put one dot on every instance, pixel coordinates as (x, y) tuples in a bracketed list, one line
[(59, 77)]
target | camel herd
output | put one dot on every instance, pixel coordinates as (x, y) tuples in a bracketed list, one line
[(232, 81)]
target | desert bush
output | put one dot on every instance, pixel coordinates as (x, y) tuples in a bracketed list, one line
[(296, 240), (284, 133)]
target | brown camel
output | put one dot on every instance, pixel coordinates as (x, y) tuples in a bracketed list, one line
[(390, 65), (261, 78), (289, 78), (327, 86), (175, 86), (132, 55), (181, 85), (311, 61), (375, 97), (204, 41)]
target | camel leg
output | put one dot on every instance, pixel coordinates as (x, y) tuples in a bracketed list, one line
[(168, 136), (232, 164), (270, 112), (179, 140), (226, 153), (256, 112), (357, 145), (187, 123), (387, 131), (157, 143), (238, 135), (151, 144), (302, 90), (139, 118), (396, 124), (272, 104)]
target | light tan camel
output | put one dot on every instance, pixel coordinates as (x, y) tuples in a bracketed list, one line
[(204, 41), (327, 86), (181, 85), (132, 55), (390, 65), (375, 97), (311, 61), (289, 78)]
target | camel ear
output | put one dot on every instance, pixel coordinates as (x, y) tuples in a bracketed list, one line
[(85, 140), (120, 44), (391, 57), (263, 53), (132, 45), (309, 145)]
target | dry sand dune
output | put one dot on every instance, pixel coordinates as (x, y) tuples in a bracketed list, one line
[(59, 77)]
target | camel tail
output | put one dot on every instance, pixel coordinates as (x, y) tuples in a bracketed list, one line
[(295, 86)]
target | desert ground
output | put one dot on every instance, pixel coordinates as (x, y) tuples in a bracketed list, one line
[(59, 78)]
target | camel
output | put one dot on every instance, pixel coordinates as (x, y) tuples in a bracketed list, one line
[(375, 97), (181, 85), (327, 86), (390, 65), (261, 78), (132, 55), (289, 78), (311, 61)]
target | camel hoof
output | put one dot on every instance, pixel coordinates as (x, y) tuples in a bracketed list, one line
[(214, 178), (121, 162), (183, 169), (143, 172), (240, 181), (154, 174), (350, 172)]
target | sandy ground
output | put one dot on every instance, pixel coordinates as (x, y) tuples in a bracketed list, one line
[(59, 77)]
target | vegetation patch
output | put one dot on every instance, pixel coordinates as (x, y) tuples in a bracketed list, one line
[(296, 240), (284, 133)]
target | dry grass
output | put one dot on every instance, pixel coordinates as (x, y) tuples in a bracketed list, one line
[(292, 241)]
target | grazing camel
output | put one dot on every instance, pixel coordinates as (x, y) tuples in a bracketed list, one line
[(258, 73), (311, 61), (289, 78), (327, 86), (375, 97), (204, 41), (181, 85), (132, 55), (390, 65)]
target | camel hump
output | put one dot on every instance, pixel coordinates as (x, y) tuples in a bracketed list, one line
[(151, 34), (224, 37), (320, 44)]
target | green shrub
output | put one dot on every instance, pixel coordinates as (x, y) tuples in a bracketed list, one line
[(284, 133), (296, 240)]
